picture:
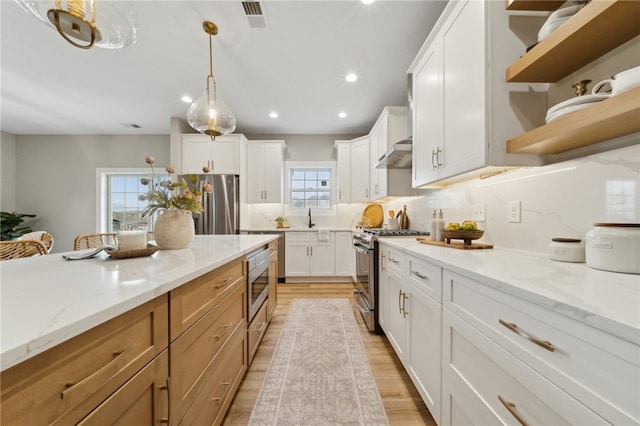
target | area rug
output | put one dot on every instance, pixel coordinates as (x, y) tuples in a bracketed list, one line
[(319, 373)]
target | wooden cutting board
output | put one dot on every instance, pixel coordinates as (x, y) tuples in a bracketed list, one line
[(455, 244)]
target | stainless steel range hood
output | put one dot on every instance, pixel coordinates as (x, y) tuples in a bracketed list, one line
[(398, 156)]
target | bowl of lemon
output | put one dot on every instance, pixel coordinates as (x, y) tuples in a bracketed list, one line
[(466, 231)]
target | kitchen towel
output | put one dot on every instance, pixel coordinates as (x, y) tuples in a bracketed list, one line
[(323, 235)]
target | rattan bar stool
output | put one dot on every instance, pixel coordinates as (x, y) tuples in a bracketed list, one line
[(87, 241), (21, 248)]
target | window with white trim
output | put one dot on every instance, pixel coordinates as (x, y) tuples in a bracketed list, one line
[(309, 185)]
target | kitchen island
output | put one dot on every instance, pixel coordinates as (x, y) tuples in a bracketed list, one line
[(91, 339)]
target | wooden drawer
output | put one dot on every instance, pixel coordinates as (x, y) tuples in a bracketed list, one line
[(497, 378), (425, 277), (257, 328), (598, 369), (143, 400), (194, 353), (212, 403), (63, 384), (396, 260), (192, 300)]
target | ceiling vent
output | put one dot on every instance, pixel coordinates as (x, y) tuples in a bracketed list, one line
[(254, 13)]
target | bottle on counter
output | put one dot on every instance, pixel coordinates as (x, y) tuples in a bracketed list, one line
[(434, 227), (441, 226)]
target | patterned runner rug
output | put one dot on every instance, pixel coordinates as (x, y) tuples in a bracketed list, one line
[(319, 373)]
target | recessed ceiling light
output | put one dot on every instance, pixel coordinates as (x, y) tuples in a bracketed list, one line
[(186, 99), (273, 114), (342, 114), (351, 77), (367, 1)]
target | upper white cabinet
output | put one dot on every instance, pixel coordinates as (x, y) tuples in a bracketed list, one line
[(343, 160), (360, 170), (391, 127), (463, 114), (265, 171), (222, 155)]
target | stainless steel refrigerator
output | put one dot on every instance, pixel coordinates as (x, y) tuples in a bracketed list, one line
[(221, 208)]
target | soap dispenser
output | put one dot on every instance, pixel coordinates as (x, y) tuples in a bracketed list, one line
[(434, 227), (441, 226)]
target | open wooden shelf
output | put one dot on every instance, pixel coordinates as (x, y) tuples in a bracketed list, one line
[(536, 5), (611, 118), (596, 29)]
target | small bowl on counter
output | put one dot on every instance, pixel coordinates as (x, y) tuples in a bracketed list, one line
[(466, 236), (566, 250)]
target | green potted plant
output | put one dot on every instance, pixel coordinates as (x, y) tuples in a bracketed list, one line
[(281, 222), (10, 225)]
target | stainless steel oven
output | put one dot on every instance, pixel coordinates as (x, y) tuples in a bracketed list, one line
[(257, 280), (366, 290)]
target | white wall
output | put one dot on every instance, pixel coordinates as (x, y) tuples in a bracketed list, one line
[(7, 172), (56, 177)]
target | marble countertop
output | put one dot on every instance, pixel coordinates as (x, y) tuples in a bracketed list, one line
[(608, 301), (46, 300)]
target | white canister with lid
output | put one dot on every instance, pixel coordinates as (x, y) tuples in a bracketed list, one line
[(566, 250), (614, 247)]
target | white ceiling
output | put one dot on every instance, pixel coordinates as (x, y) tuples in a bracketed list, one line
[(296, 66)]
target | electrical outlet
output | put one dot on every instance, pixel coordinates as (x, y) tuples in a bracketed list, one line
[(479, 212), (514, 211)]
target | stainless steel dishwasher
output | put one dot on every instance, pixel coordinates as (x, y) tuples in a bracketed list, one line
[(281, 277)]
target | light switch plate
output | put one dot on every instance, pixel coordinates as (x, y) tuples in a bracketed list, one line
[(514, 211), (479, 212)]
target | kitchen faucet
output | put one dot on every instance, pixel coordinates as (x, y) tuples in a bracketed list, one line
[(311, 225)]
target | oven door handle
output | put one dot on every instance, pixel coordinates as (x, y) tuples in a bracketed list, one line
[(357, 296), (361, 249)]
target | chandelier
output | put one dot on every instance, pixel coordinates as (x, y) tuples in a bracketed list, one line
[(110, 24), (208, 114)]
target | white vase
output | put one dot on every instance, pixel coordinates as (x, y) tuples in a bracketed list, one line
[(174, 229)]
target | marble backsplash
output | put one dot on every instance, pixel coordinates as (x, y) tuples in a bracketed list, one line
[(559, 200)]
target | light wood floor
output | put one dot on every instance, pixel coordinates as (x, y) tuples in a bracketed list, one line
[(400, 398)]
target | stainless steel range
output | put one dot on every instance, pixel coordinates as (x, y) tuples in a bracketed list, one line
[(366, 291)]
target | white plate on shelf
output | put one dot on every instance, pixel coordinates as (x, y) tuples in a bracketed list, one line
[(578, 100), (566, 110)]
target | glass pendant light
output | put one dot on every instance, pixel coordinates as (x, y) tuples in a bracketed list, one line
[(208, 114), (88, 23)]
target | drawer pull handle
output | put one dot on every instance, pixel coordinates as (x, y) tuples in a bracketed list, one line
[(419, 275), (542, 343), (262, 325), (225, 282), (512, 409), (393, 260), (404, 309), (217, 400), (400, 301), (168, 389), (225, 328), (109, 369)]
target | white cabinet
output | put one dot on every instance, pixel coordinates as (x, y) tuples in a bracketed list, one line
[(383, 287), (391, 127), (344, 254), (463, 110), (360, 170), (397, 298), (264, 171), (222, 156), (306, 255), (343, 160)]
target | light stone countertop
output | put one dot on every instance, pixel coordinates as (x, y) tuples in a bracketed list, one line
[(300, 229), (605, 300), (46, 300)]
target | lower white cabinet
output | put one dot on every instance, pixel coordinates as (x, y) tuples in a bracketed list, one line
[(412, 319), (344, 254), (484, 384), (306, 255)]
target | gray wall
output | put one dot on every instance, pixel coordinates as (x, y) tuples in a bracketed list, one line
[(56, 177), (7, 172)]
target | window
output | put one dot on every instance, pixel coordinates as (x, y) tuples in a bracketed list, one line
[(309, 185), (122, 200)]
